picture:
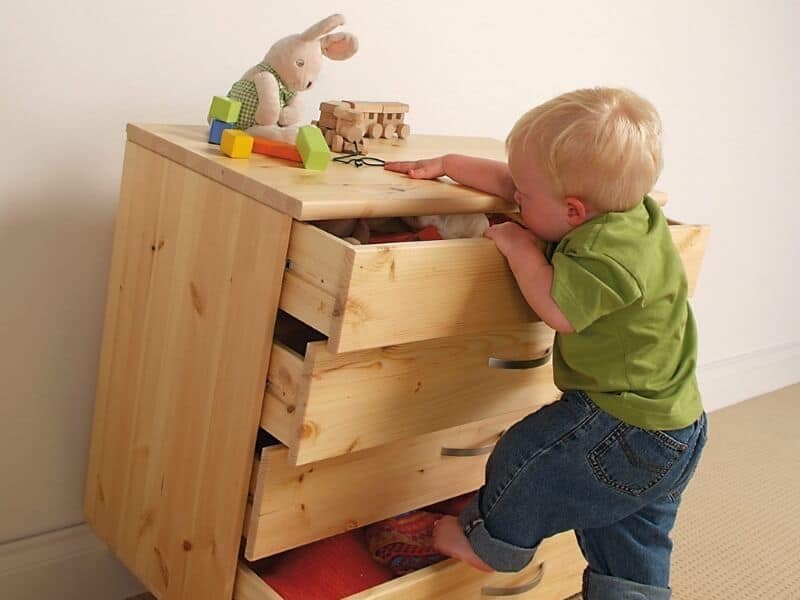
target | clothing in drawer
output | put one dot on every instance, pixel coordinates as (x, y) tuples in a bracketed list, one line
[(553, 574), (324, 404)]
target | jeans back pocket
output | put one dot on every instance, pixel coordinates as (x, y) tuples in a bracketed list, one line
[(633, 460)]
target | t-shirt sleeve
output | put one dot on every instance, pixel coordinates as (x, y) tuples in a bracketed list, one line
[(587, 288)]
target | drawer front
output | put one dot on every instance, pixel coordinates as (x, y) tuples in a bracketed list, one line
[(382, 294), (691, 242), (554, 574), (325, 404), (292, 506)]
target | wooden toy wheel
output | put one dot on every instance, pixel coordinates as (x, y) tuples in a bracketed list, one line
[(388, 130), (375, 130), (404, 131), (338, 143)]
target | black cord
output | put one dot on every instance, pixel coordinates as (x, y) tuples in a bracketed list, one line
[(358, 161)]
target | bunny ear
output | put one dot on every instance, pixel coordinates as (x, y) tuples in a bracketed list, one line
[(339, 46), (325, 26)]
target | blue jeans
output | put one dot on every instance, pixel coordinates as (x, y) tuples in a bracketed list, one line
[(571, 465)]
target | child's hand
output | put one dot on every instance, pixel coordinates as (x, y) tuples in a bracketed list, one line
[(511, 239), (429, 168)]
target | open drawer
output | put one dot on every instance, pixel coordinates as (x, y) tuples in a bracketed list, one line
[(324, 404), (384, 294), (691, 242), (554, 574), (291, 506)]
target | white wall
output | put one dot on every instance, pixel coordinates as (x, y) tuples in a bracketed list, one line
[(723, 74)]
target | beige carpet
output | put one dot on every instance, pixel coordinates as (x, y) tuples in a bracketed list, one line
[(738, 531)]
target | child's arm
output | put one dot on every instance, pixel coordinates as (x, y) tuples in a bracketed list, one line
[(490, 176), (533, 273)]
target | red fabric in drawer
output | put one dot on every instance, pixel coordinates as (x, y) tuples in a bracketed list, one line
[(329, 569)]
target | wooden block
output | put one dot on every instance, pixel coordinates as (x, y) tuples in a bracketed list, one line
[(236, 143), (329, 107), (216, 129), (224, 109), (313, 148), (276, 149), (395, 107), (327, 120), (348, 114), (375, 107)]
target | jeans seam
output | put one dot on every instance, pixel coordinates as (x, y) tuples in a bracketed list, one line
[(601, 474), (594, 411), (689, 470), (668, 440)]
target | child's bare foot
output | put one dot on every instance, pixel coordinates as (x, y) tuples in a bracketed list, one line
[(449, 539)]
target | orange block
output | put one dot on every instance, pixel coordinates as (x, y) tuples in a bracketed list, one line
[(276, 149)]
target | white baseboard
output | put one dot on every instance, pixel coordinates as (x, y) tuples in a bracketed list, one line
[(72, 564), (738, 378), (69, 564)]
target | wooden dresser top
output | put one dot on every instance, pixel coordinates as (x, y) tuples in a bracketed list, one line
[(341, 191)]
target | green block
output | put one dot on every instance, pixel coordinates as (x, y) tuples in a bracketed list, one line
[(224, 109), (312, 147)]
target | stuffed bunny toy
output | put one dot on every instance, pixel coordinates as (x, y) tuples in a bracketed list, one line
[(269, 91)]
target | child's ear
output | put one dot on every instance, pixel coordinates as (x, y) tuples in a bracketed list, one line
[(577, 212)]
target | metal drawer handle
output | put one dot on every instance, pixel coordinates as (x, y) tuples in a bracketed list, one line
[(471, 451), (489, 590), (500, 363), (467, 451)]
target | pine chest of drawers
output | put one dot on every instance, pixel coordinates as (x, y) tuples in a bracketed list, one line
[(387, 371)]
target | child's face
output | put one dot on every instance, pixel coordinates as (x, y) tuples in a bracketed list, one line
[(542, 210)]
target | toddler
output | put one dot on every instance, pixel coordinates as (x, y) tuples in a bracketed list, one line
[(611, 457)]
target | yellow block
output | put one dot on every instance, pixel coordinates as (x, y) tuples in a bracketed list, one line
[(236, 143)]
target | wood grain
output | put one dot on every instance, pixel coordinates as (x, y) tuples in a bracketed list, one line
[(343, 403), (191, 304), (295, 505)]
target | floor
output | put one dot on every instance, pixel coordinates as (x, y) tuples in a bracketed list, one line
[(738, 528)]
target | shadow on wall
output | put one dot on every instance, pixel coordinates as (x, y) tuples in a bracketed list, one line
[(55, 253)]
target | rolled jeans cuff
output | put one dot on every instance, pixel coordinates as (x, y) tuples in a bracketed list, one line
[(606, 587), (499, 555)]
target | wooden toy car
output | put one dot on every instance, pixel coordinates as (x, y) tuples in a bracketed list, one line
[(348, 124)]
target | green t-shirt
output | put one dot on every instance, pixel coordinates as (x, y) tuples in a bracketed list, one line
[(620, 282)]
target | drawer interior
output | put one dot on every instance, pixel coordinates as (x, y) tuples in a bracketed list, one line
[(343, 568)]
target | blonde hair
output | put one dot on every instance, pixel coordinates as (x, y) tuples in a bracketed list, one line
[(602, 145)]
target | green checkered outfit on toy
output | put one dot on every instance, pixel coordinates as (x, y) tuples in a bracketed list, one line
[(245, 92)]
